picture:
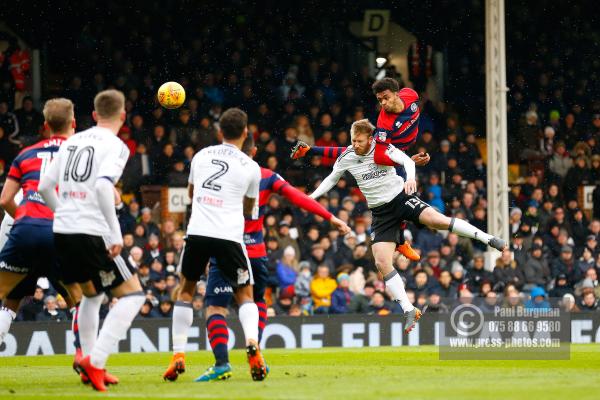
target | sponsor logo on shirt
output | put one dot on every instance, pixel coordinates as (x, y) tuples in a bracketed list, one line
[(6, 267), (374, 175), (211, 201), (223, 289), (74, 195)]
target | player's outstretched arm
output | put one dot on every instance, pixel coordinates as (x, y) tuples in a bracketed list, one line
[(328, 183), (301, 200), (7, 197)]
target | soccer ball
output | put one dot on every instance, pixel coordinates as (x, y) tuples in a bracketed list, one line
[(171, 95)]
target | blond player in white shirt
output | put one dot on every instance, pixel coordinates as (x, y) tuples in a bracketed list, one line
[(391, 201), (224, 186), (87, 235)]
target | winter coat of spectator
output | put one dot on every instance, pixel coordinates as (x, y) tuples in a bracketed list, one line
[(379, 305), (536, 268), (448, 289), (321, 289), (538, 299), (579, 174), (146, 221), (287, 268), (360, 302), (561, 287), (343, 254), (51, 311), (560, 162), (422, 283), (583, 264), (303, 280), (579, 229), (178, 177), (564, 264), (34, 306), (519, 251), (164, 309), (508, 271), (477, 274), (286, 240), (30, 122), (318, 257), (435, 304), (342, 296)]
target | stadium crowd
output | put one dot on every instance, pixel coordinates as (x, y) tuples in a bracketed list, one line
[(296, 91)]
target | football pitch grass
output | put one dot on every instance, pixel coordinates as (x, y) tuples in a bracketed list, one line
[(330, 373)]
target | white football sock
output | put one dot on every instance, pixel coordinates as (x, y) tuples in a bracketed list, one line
[(115, 327), (248, 314), (463, 228), (394, 282), (183, 316), (89, 321), (6, 318)]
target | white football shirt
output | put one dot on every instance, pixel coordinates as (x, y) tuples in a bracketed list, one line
[(95, 153), (378, 183), (222, 176)]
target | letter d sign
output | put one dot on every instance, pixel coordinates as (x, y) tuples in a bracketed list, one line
[(376, 22)]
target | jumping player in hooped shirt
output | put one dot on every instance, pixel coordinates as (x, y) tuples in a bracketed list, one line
[(27, 244), (397, 124), (218, 291)]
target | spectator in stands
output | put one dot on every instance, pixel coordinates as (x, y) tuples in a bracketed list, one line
[(588, 302), (564, 264), (538, 299), (477, 274), (51, 311), (321, 288), (379, 305), (507, 271), (30, 122), (342, 296), (287, 269), (536, 269), (165, 308), (33, 306), (145, 311), (560, 162)]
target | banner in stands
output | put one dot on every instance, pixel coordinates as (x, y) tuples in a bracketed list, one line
[(152, 335)]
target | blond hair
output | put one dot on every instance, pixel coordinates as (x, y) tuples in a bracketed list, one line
[(109, 104), (361, 126), (59, 114)]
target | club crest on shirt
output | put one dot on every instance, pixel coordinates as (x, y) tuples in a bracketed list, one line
[(381, 136), (413, 107), (242, 276), (107, 277)]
